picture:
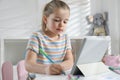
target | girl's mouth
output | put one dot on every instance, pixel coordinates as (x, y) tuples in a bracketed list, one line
[(61, 30)]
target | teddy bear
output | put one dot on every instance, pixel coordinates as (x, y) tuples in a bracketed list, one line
[(99, 24)]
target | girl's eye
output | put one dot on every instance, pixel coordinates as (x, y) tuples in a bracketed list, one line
[(65, 22), (56, 20)]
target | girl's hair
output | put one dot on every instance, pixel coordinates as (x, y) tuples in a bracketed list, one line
[(50, 7)]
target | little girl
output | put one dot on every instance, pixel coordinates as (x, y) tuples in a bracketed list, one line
[(52, 40)]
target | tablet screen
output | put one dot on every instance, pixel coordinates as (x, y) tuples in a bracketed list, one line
[(91, 50)]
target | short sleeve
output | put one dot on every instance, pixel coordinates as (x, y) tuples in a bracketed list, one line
[(68, 43), (33, 43)]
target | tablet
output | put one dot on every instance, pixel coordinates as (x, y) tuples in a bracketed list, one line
[(92, 50)]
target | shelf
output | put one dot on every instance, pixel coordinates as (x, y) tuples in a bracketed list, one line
[(13, 49)]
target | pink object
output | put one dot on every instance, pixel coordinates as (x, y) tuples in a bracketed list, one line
[(113, 61), (22, 73), (7, 71), (110, 60)]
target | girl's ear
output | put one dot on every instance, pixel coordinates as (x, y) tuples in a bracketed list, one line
[(44, 19)]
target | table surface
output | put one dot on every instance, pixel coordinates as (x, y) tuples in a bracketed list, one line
[(103, 76)]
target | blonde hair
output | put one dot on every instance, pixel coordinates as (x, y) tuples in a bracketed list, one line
[(50, 7)]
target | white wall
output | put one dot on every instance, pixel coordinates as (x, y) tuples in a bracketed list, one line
[(119, 23), (113, 9), (95, 6), (18, 17)]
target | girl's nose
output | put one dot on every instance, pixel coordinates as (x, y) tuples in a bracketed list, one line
[(61, 24)]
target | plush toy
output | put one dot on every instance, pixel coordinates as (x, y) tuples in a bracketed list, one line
[(99, 24)]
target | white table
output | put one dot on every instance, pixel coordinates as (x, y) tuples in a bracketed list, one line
[(104, 76)]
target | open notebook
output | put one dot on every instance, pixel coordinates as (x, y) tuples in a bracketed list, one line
[(90, 54)]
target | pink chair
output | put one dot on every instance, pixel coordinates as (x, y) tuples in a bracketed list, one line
[(7, 71), (22, 73)]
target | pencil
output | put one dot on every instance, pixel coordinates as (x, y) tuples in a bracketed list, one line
[(45, 54), (114, 68)]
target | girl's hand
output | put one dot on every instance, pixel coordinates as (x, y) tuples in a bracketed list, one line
[(54, 69)]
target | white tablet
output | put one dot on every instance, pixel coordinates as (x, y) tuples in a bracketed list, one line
[(92, 50)]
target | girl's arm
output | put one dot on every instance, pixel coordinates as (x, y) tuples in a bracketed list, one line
[(68, 61), (32, 66)]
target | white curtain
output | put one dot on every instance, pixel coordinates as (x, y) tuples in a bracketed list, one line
[(21, 17), (77, 26), (17, 17)]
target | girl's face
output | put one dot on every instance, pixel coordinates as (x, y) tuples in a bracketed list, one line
[(57, 21)]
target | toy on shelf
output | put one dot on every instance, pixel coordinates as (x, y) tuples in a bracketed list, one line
[(98, 23)]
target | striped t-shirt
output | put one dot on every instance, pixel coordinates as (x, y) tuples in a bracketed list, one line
[(56, 50)]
